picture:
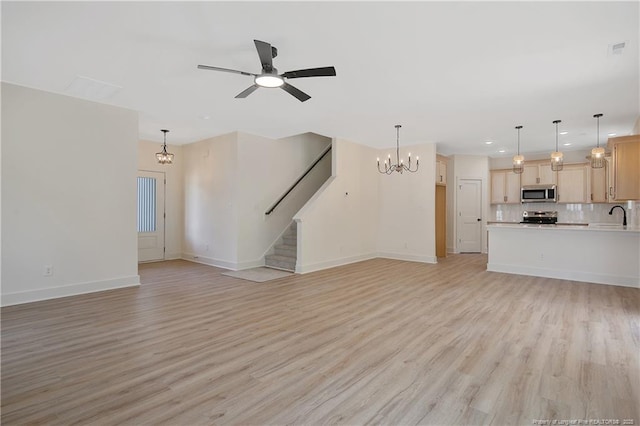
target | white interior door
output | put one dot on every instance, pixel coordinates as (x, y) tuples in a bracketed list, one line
[(469, 201), (150, 216)]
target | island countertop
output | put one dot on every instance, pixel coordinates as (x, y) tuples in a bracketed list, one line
[(603, 254)]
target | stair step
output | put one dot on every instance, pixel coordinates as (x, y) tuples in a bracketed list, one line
[(286, 250), (291, 240), (280, 262)]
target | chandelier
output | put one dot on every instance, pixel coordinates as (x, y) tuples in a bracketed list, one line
[(597, 154), (164, 157), (399, 166)]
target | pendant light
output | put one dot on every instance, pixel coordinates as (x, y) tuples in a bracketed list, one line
[(164, 157), (518, 160), (597, 153), (556, 156)]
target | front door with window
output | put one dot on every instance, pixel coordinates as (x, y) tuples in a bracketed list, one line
[(150, 216)]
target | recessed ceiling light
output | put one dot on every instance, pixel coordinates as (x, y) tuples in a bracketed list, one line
[(564, 133), (489, 142), (566, 143), (502, 150), (611, 134), (205, 117)]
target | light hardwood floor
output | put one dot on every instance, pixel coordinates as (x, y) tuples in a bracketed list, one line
[(376, 342)]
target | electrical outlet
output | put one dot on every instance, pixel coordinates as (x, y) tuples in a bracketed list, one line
[(47, 270)]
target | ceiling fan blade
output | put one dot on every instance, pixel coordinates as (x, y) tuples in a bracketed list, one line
[(311, 72), (295, 92), (246, 92), (264, 52), (208, 67)]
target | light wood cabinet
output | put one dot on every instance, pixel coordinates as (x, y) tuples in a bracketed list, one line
[(441, 170), (505, 187), (599, 187), (600, 183), (538, 173), (625, 157), (572, 183)]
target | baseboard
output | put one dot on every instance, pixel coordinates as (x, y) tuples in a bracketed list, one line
[(69, 290), (304, 269), (249, 264), (408, 257), (225, 264), (588, 277)]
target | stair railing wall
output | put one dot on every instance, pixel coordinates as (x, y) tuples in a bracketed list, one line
[(292, 187)]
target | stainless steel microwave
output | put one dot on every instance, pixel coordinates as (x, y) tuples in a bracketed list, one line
[(539, 194)]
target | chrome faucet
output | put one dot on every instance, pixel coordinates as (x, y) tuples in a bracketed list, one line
[(624, 212)]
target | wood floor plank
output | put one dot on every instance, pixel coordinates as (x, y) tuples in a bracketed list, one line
[(375, 342)]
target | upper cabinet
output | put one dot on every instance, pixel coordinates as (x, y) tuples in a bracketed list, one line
[(572, 183), (505, 187), (441, 170), (625, 158), (538, 173), (599, 180)]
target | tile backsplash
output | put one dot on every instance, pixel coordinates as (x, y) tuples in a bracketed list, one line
[(570, 213)]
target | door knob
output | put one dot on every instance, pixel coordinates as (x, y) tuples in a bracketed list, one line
[(479, 219)]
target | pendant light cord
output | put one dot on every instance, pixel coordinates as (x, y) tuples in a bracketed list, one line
[(598, 130), (397, 144)]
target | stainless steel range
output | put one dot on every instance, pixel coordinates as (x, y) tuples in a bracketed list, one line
[(540, 217)]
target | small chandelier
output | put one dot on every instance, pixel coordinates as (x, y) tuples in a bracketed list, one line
[(399, 166), (164, 157), (597, 153), (556, 156), (518, 160)]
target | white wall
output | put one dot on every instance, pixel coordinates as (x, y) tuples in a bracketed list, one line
[(360, 214), (266, 170), (210, 201), (230, 182), (68, 195), (406, 206), (174, 195), (466, 167), (339, 223)]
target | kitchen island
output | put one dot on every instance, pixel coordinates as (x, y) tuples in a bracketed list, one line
[(597, 254)]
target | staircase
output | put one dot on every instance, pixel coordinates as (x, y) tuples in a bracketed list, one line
[(286, 252)]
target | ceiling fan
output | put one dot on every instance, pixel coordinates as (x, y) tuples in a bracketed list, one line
[(269, 76)]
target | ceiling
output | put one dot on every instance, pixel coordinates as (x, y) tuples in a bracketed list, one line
[(457, 74)]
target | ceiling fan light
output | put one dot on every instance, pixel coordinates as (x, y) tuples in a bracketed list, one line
[(268, 80)]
